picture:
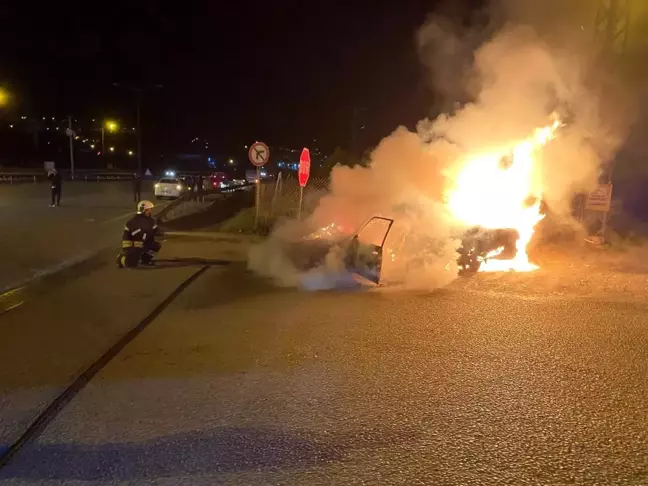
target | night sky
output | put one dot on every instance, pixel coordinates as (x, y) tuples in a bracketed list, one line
[(282, 72)]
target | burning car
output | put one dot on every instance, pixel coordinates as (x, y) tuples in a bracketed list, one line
[(492, 199), (365, 253), (481, 245)]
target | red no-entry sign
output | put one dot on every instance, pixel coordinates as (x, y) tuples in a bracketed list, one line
[(304, 167)]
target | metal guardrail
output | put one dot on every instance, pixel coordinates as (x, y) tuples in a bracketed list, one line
[(35, 178), (18, 179), (87, 175)]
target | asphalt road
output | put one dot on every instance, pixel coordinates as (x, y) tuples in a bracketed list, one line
[(242, 383), (37, 238)]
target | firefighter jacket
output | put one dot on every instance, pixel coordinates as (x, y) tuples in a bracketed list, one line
[(140, 231)]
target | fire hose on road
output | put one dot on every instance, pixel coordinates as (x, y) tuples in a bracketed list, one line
[(49, 414)]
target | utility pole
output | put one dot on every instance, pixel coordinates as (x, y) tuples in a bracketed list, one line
[(70, 134), (139, 134), (138, 93)]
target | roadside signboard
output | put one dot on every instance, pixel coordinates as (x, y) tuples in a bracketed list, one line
[(600, 199), (259, 154), (304, 167)]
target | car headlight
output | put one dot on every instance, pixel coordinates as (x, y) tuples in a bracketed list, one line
[(157, 185), (179, 187)]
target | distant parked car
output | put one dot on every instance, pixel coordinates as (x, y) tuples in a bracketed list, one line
[(171, 187), (218, 180)]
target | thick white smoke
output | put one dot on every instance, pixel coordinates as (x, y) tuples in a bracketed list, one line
[(516, 80), (521, 81)]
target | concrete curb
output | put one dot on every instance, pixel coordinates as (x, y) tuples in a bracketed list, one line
[(216, 236)]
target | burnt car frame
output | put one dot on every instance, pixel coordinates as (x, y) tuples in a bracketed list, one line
[(362, 253)]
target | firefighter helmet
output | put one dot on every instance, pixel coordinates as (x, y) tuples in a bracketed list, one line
[(144, 205)]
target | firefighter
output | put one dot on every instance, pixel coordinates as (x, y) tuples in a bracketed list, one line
[(138, 239)]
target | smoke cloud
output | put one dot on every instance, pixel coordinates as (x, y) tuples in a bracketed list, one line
[(514, 77)]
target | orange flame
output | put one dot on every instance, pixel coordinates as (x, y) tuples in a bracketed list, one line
[(491, 195)]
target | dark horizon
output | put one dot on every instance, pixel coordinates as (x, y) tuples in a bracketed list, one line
[(286, 76)]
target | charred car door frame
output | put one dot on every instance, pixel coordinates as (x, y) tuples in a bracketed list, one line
[(364, 259)]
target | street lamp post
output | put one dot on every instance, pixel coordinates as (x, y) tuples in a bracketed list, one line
[(70, 134), (139, 134), (138, 93), (112, 127)]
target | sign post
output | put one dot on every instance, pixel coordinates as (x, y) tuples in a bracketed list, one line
[(304, 174), (600, 200), (258, 154)]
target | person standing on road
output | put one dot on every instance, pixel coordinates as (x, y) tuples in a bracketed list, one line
[(55, 179), (199, 189), (137, 187)]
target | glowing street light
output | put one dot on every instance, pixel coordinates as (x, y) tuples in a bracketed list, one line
[(112, 149), (111, 126), (4, 97), (130, 152)]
